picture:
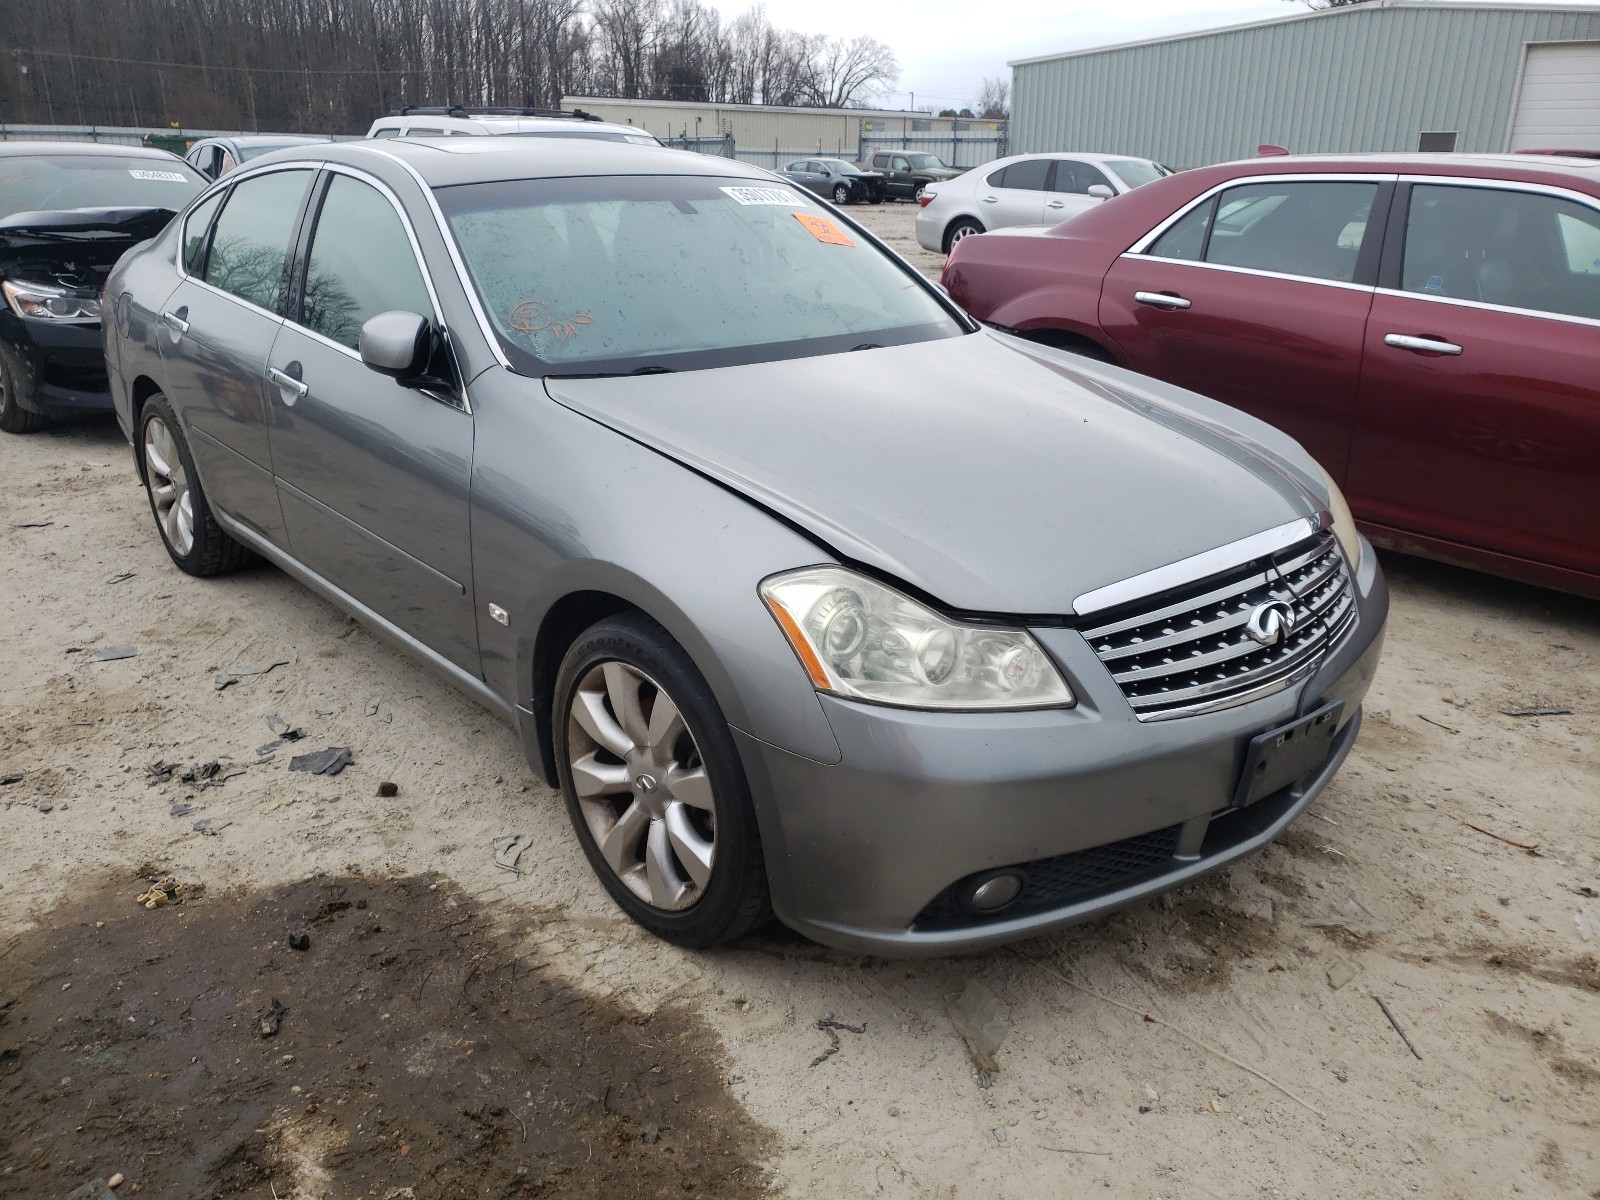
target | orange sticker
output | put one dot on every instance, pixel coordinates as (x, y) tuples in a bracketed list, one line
[(534, 316), (822, 229)]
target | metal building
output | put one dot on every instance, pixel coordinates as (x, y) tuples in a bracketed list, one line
[(1389, 75), (770, 135)]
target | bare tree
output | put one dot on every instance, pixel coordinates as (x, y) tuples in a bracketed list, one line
[(849, 73), (994, 99)]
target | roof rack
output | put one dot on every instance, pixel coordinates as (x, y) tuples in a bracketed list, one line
[(460, 110)]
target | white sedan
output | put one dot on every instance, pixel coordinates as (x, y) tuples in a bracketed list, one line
[(1025, 189)]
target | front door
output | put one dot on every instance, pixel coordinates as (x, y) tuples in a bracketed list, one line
[(1479, 416), (1258, 297), (373, 476), (1014, 195), (217, 330)]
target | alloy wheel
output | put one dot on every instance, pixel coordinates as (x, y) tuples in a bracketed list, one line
[(170, 494), (642, 785), (841, 194)]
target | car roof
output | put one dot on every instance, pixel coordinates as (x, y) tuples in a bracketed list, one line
[(268, 139), (86, 149), (520, 124), (1490, 166), (443, 162)]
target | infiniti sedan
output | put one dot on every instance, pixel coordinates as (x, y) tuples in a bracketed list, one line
[(618, 441)]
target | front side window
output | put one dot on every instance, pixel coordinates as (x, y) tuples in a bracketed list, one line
[(900, 164), (1314, 230), (625, 274), (1497, 246), (360, 264), (1076, 178), (251, 242), (195, 230)]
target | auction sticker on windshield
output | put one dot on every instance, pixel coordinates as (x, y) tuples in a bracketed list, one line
[(824, 230), (759, 195), (164, 176)]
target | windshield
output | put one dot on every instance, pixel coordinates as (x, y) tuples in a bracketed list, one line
[(1136, 172), (95, 181), (619, 274), (924, 160), (840, 168)]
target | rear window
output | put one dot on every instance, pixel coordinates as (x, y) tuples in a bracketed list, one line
[(46, 183), (629, 274)]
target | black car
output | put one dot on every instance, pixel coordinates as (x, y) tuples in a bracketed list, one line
[(835, 179), (906, 173), (68, 211)]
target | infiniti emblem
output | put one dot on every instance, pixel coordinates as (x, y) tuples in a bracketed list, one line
[(1271, 622), (645, 783)]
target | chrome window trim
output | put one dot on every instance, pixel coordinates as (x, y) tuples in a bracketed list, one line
[(1141, 246), (1485, 306), (456, 260), (1200, 566), (1188, 262), (235, 176)]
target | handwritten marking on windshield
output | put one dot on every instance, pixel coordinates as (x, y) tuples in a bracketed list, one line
[(534, 316)]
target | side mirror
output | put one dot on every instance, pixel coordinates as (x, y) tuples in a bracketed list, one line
[(1100, 191), (397, 344)]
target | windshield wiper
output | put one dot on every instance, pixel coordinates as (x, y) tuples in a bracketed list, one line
[(656, 370), (866, 346)]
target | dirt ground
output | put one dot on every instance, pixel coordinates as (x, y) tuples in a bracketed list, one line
[(478, 1032)]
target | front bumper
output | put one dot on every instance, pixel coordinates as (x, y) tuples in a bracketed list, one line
[(862, 853), (55, 368)]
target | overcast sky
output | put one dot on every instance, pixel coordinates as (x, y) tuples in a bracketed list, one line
[(947, 47)]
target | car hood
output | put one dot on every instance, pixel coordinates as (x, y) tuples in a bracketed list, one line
[(75, 246), (991, 475)]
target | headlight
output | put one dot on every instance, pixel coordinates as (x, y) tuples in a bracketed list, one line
[(857, 638), (1344, 525), (43, 302)]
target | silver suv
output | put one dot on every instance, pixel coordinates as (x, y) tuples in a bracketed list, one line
[(455, 121)]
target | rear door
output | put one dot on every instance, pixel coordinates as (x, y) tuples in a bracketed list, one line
[(1479, 417), (218, 328), (1257, 295), (373, 476), (1015, 194)]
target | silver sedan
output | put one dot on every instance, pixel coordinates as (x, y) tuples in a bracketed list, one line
[(811, 595), (1025, 189)]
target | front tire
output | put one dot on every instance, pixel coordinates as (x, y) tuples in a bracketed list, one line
[(654, 786), (13, 417), (841, 195), (965, 227), (189, 530)]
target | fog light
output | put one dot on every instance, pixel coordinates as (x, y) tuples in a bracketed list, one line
[(990, 893)]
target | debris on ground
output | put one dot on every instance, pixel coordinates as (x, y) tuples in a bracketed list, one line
[(44, 806), (115, 1181), (204, 825), (31, 524), (1535, 712), (114, 653), (829, 1026), (205, 775), (300, 941), (388, 790), (323, 762), (982, 1021), (1530, 848), (95, 1189), (1396, 1025), (1351, 917), (1588, 927), (285, 731), (166, 890), (159, 772), (1339, 974), (13, 777), (121, 577), (233, 675), (269, 1022), (181, 808), (372, 706), (507, 849)]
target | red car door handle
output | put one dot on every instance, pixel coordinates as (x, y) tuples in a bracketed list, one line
[(1161, 299), (1422, 345)]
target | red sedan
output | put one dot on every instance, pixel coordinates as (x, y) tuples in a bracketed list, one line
[(1428, 326)]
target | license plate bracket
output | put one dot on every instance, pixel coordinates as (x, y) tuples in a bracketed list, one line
[(1287, 753)]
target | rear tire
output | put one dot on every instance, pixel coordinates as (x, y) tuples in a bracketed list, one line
[(916, 192), (654, 785), (13, 417), (189, 530), (965, 227)]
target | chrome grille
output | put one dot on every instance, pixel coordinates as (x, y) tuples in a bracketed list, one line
[(1189, 650)]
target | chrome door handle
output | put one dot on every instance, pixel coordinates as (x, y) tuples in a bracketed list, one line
[(174, 321), (1160, 300), (296, 387), (990, 199), (1404, 341), (1056, 204)]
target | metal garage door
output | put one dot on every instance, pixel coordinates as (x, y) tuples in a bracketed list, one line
[(1559, 106)]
